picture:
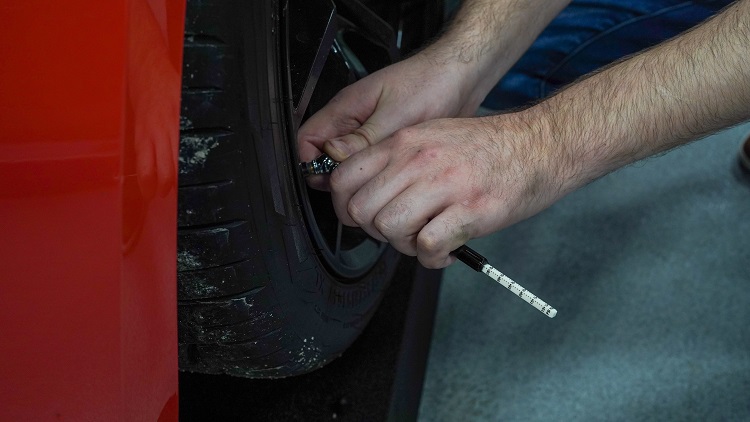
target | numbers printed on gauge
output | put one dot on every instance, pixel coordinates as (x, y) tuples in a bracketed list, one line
[(477, 262), (519, 291)]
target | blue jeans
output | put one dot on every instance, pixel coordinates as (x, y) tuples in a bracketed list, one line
[(589, 34)]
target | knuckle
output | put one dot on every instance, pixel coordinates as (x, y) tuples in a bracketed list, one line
[(425, 155), (341, 94), (410, 143), (430, 250), (399, 138), (385, 226), (304, 134), (428, 243), (355, 213)]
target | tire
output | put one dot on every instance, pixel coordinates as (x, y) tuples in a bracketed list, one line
[(258, 296)]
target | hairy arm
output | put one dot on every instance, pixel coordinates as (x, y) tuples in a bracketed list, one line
[(487, 37), (447, 79), (669, 95), (429, 188)]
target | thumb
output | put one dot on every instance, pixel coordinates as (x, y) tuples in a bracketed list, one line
[(342, 148), (375, 129)]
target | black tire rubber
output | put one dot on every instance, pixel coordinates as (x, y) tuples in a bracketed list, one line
[(255, 299)]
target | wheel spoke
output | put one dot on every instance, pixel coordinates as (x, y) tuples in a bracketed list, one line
[(325, 53), (305, 73)]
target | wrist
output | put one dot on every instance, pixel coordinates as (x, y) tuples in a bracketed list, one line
[(449, 83), (468, 78), (520, 161), (486, 39), (556, 170)]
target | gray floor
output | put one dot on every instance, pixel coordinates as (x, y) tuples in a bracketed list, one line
[(649, 269)]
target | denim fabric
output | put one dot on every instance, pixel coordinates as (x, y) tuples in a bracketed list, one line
[(589, 34)]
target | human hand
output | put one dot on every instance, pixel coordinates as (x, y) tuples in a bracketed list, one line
[(406, 93), (429, 188)]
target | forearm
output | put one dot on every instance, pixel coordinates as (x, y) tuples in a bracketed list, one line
[(488, 36), (429, 188), (678, 91)]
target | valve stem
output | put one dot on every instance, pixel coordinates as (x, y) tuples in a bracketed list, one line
[(324, 164)]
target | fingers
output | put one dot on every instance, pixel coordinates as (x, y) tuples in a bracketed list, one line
[(350, 176), (343, 114), (374, 130), (415, 219), (442, 235), (369, 181), (373, 108), (401, 219), (359, 116), (308, 150), (319, 128), (390, 201), (341, 148)]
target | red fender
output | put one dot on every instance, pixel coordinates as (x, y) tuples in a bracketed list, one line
[(89, 120)]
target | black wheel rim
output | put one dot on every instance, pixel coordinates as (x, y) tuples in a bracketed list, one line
[(315, 27)]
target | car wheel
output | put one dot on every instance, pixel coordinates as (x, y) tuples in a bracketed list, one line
[(270, 284)]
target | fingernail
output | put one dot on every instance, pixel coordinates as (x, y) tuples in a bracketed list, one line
[(340, 149)]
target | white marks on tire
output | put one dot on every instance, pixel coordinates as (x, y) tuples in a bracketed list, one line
[(194, 150), (186, 261), (197, 285), (308, 355), (185, 123)]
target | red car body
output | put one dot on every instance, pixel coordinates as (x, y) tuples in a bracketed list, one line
[(89, 120)]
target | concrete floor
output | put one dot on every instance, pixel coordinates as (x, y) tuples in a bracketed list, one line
[(649, 269)]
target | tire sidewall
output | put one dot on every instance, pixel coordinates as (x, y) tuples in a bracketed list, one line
[(324, 314)]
